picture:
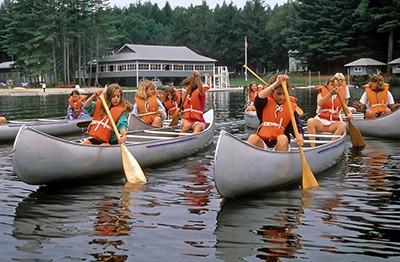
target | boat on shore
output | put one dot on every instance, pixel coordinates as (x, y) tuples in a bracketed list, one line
[(251, 119), (52, 126), (39, 158), (387, 126), (241, 168)]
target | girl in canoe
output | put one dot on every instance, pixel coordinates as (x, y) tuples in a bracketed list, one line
[(328, 117), (194, 104), (76, 108), (254, 90), (148, 104), (171, 98), (343, 84), (377, 98), (101, 129), (276, 126)]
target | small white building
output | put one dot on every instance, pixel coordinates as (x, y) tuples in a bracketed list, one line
[(395, 65), (294, 63), (364, 66)]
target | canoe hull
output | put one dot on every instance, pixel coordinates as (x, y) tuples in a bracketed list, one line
[(251, 119), (39, 158), (387, 126), (55, 127), (242, 169)]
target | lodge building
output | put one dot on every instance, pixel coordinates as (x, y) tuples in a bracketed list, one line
[(164, 65)]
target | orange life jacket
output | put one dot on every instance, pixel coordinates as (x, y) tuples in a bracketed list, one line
[(275, 118), (332, 107), (77, 106), (252, 95), (101, 127), (172, 105), (146, 106), (193, 108), (377, 100)]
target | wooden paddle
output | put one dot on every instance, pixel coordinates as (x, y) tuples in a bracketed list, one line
[(298, 109), (175, 118), (132, 169), (147, 114), (355, 134), (308, 177)]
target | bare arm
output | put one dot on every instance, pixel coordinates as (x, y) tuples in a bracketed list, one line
[(198, 82), (88, 101), (268, 90)]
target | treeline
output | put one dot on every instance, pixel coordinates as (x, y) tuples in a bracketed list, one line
[(57, 37)]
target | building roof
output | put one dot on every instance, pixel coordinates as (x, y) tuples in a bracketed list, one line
[(395, 62), (365, 62), (130, 52), (6, 65)]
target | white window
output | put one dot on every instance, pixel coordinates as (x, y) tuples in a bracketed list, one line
[(131, 67), (178, 67), (189, 67)]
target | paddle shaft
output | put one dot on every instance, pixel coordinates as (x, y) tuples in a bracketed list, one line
[(175, 118), (147, 114), (308, 179), (355, 134), (298, 109), (132, 169)]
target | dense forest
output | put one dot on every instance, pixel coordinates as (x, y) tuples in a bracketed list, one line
[(56, 37)]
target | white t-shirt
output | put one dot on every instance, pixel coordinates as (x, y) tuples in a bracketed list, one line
[(364, 99)]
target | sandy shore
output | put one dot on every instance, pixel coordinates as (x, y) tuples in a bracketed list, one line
[(85, 90), (39, 91)]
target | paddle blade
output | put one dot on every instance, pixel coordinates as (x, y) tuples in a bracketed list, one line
[(355, 136), (308, 180), (175, 120), (132, 169)]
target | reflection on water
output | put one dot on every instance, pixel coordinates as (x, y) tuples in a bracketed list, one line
[(179, 216)]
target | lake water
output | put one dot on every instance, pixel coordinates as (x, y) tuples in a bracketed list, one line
[(179, 216)]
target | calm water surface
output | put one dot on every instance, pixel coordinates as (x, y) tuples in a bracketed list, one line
[(179, 216)]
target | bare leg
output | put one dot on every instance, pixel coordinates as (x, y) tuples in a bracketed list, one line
[(157, 122), (314, 126), (282, 143), (255, 140)]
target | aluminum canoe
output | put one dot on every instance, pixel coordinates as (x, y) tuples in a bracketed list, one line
[(52, 126), (387, 126), (39, 158), (251, 119), (241, 169), (136, 123)]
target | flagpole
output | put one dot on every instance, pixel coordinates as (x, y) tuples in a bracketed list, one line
[(245, 58)]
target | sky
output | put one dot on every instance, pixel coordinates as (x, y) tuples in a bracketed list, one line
[(186, 3)]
